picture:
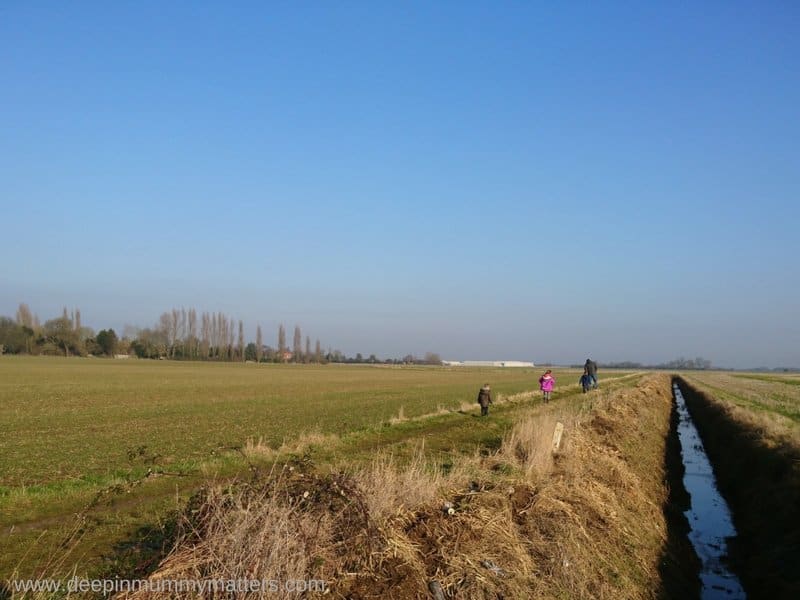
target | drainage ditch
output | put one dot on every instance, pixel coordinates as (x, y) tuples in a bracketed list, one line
[(708, 514)]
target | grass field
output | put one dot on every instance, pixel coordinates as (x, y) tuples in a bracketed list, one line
[(115, 445), (766, 396), (69, 419)]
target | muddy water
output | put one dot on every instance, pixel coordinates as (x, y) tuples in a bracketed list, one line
[(708, 515)]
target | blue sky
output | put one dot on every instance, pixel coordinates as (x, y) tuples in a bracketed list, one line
[(485, 180)]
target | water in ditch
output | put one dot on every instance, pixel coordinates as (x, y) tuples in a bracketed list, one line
[(709, 516)]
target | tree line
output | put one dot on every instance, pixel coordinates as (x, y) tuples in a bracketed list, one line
[(681, 363), (179, 334)]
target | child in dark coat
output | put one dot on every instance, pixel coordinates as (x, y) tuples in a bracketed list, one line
[(485, 399)]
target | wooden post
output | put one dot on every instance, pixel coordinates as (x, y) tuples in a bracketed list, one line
[(557, 436)]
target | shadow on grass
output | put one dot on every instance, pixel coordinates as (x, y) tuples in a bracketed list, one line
[(139, 555), (760, 480)]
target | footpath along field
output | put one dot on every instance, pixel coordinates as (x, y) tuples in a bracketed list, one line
[(92, 451)]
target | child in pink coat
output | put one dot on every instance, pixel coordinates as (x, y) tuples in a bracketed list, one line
[(546, 384)]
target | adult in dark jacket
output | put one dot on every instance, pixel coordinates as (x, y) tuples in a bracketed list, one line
[(485, 399), (591, 370)]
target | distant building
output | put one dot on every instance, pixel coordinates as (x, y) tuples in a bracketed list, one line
[(487, 363), (286, 356)]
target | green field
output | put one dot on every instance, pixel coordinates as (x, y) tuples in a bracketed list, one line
[(118, 444), (760, 393), (69, 420)]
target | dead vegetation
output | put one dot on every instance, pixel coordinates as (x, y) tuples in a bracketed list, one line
[(520, 522), (262, 451)]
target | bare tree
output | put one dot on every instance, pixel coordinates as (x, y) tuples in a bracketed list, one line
[(77, 320), (183, 332), (318, 353), (26, 319), (281, 342), (174, 317), (205, 335), (193, 333), (24, 316), (259, 344), (432, 358), (214, 333), (241, 341), (230, 338), (220, 335), (298, 344), (164, 328)]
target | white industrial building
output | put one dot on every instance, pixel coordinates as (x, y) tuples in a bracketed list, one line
[(487, 363)]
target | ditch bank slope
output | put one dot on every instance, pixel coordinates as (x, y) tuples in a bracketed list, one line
[(759, 476), (587, 521)]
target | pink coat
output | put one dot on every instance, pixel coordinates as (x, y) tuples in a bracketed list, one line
[(546, 383)]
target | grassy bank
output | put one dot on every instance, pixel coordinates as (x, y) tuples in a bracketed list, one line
[(755, 449)]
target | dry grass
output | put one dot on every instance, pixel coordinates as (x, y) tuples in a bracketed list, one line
[(390, 489), (399, 418), (523, 523), (767, 405), (529, 445), (261, 450)]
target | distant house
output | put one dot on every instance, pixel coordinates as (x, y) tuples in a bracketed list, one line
[(122, 356), (286, 356)]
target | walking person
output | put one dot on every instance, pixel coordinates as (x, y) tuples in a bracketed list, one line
[(591, 370), (485, 399), (546, 384), (586, 381)]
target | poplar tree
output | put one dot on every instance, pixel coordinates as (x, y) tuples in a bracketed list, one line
[(281, 342), (298, 343), (192, 333), (205, 335), (24, 316), (241, 341)]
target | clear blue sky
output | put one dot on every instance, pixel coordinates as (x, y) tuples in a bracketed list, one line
[(541, 181)]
